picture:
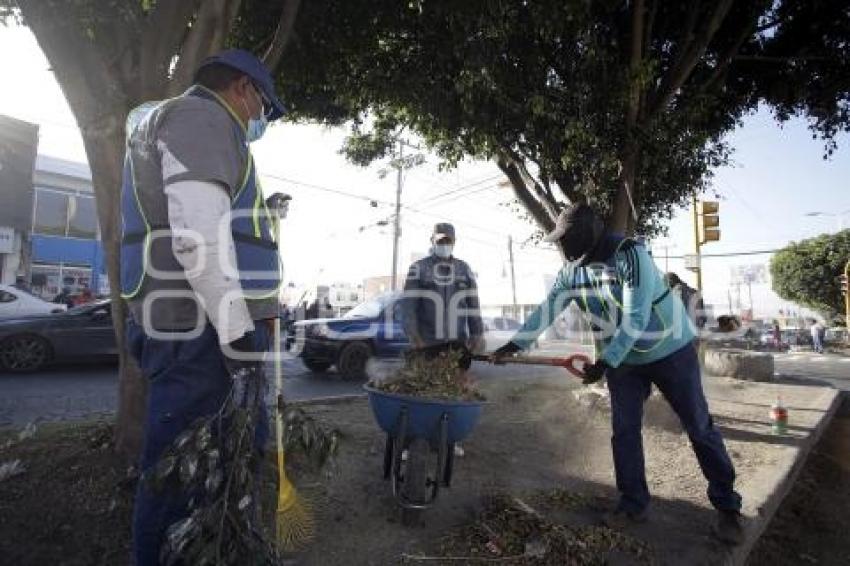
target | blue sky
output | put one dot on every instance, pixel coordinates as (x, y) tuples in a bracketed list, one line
[(778, 175)]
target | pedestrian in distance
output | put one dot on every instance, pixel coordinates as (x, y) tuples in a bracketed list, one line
[(817, 330), (644, 336)]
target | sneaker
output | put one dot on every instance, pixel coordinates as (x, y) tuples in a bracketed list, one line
[(728, 528), (459, 451), (620, 519)]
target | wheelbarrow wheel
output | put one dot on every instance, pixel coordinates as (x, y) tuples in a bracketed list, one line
[(415, 486)]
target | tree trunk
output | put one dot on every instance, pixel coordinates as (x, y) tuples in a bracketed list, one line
[(104, 142), (621, 220)]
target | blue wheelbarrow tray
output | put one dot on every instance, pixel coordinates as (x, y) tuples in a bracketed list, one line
[(424, 415)]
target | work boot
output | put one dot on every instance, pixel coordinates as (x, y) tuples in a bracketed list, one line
[(728, 528), (620, 518)]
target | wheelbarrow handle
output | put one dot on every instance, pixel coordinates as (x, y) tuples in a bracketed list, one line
[(568, 363)]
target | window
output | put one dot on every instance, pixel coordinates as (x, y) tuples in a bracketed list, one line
[(82, 217), (51, 213), (64, 214), (7, 297)]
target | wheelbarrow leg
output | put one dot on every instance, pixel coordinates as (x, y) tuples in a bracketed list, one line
[(388, 456), (450, 464), (397, 450), (444, 453)]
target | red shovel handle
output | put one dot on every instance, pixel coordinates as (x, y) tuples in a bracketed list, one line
[(569, 364)]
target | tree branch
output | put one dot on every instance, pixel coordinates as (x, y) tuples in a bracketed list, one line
[(282, 34), (206, 35), (546, 199), (166, 29), (509, 167), (745, 30), (684, 65), (567, 188)]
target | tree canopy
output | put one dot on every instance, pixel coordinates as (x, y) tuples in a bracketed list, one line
[(808, 272), (574, 100)]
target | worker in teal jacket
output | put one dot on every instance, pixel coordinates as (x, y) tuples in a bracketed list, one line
[(643, 336)]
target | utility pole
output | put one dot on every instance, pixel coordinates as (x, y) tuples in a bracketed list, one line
[(513, 276), (698, 269), (846, 289), (397, 224)]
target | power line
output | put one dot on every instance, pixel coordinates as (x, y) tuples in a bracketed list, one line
[(729, 254), (457, 189), (328, 189)]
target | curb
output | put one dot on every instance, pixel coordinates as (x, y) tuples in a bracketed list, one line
[(758, 525)]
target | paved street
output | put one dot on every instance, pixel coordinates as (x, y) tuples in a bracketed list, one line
[(830, 368), (85, 391), (77, 392)]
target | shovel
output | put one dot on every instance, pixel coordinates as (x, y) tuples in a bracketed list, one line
[(568, 363)]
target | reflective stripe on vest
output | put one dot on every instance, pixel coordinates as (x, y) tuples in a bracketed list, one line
[(252, 229), (600, 289)]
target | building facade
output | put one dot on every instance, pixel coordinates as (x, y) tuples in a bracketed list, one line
[(65, 246)]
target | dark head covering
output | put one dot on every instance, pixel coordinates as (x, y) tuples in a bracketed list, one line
[(577, 231)]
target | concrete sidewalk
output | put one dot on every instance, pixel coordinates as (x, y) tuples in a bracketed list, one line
[(550, 433)]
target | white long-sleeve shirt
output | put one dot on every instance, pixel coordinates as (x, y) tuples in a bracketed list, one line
[(205, 249)]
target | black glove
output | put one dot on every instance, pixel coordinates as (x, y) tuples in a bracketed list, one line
[(241, 348), (595, 372), (505, 351)]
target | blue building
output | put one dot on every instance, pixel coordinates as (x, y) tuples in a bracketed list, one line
[(65, 249)]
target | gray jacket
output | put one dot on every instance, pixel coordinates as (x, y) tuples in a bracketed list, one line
[(440, 301)]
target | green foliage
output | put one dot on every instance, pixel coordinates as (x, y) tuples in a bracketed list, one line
[(808, 272), (549, 82)]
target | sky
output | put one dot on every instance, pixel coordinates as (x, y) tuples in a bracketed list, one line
[(777, 176)]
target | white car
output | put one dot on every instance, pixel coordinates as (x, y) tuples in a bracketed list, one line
[(498, 331), (15, 303)]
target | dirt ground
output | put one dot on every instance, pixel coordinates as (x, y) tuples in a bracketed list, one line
[(72, 503)]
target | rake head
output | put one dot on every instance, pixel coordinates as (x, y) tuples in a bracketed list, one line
[(294, 522)]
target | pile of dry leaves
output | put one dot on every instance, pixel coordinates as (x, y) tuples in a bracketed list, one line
[(511, 531)]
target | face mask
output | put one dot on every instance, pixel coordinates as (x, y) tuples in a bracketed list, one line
[(443, 250), (256, 126)]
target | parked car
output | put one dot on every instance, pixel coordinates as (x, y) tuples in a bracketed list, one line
[(371, 329), (79, 334), (498, 331), (16, 303)]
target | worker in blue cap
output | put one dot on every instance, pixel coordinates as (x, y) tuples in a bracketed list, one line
[(199, 262)]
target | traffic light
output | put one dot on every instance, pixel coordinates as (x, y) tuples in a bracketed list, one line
[(709, 221), (843, 284)]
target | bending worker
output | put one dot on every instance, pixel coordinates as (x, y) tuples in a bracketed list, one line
[(644, 336), (199, 264)]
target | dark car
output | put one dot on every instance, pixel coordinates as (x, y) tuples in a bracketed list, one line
[(371, 329), (79, 334)]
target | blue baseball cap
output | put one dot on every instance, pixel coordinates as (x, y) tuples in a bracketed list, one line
[(251, 65)]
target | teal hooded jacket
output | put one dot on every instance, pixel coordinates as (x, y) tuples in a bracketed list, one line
[(635, 317)]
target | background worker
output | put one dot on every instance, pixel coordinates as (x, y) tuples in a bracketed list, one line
[(644, 337), (440, 308), (199, 295)]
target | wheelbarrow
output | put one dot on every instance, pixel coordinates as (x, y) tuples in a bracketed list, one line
[(418, 428)]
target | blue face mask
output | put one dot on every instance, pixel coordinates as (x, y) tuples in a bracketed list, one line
[(256, 126), (443, 250)]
